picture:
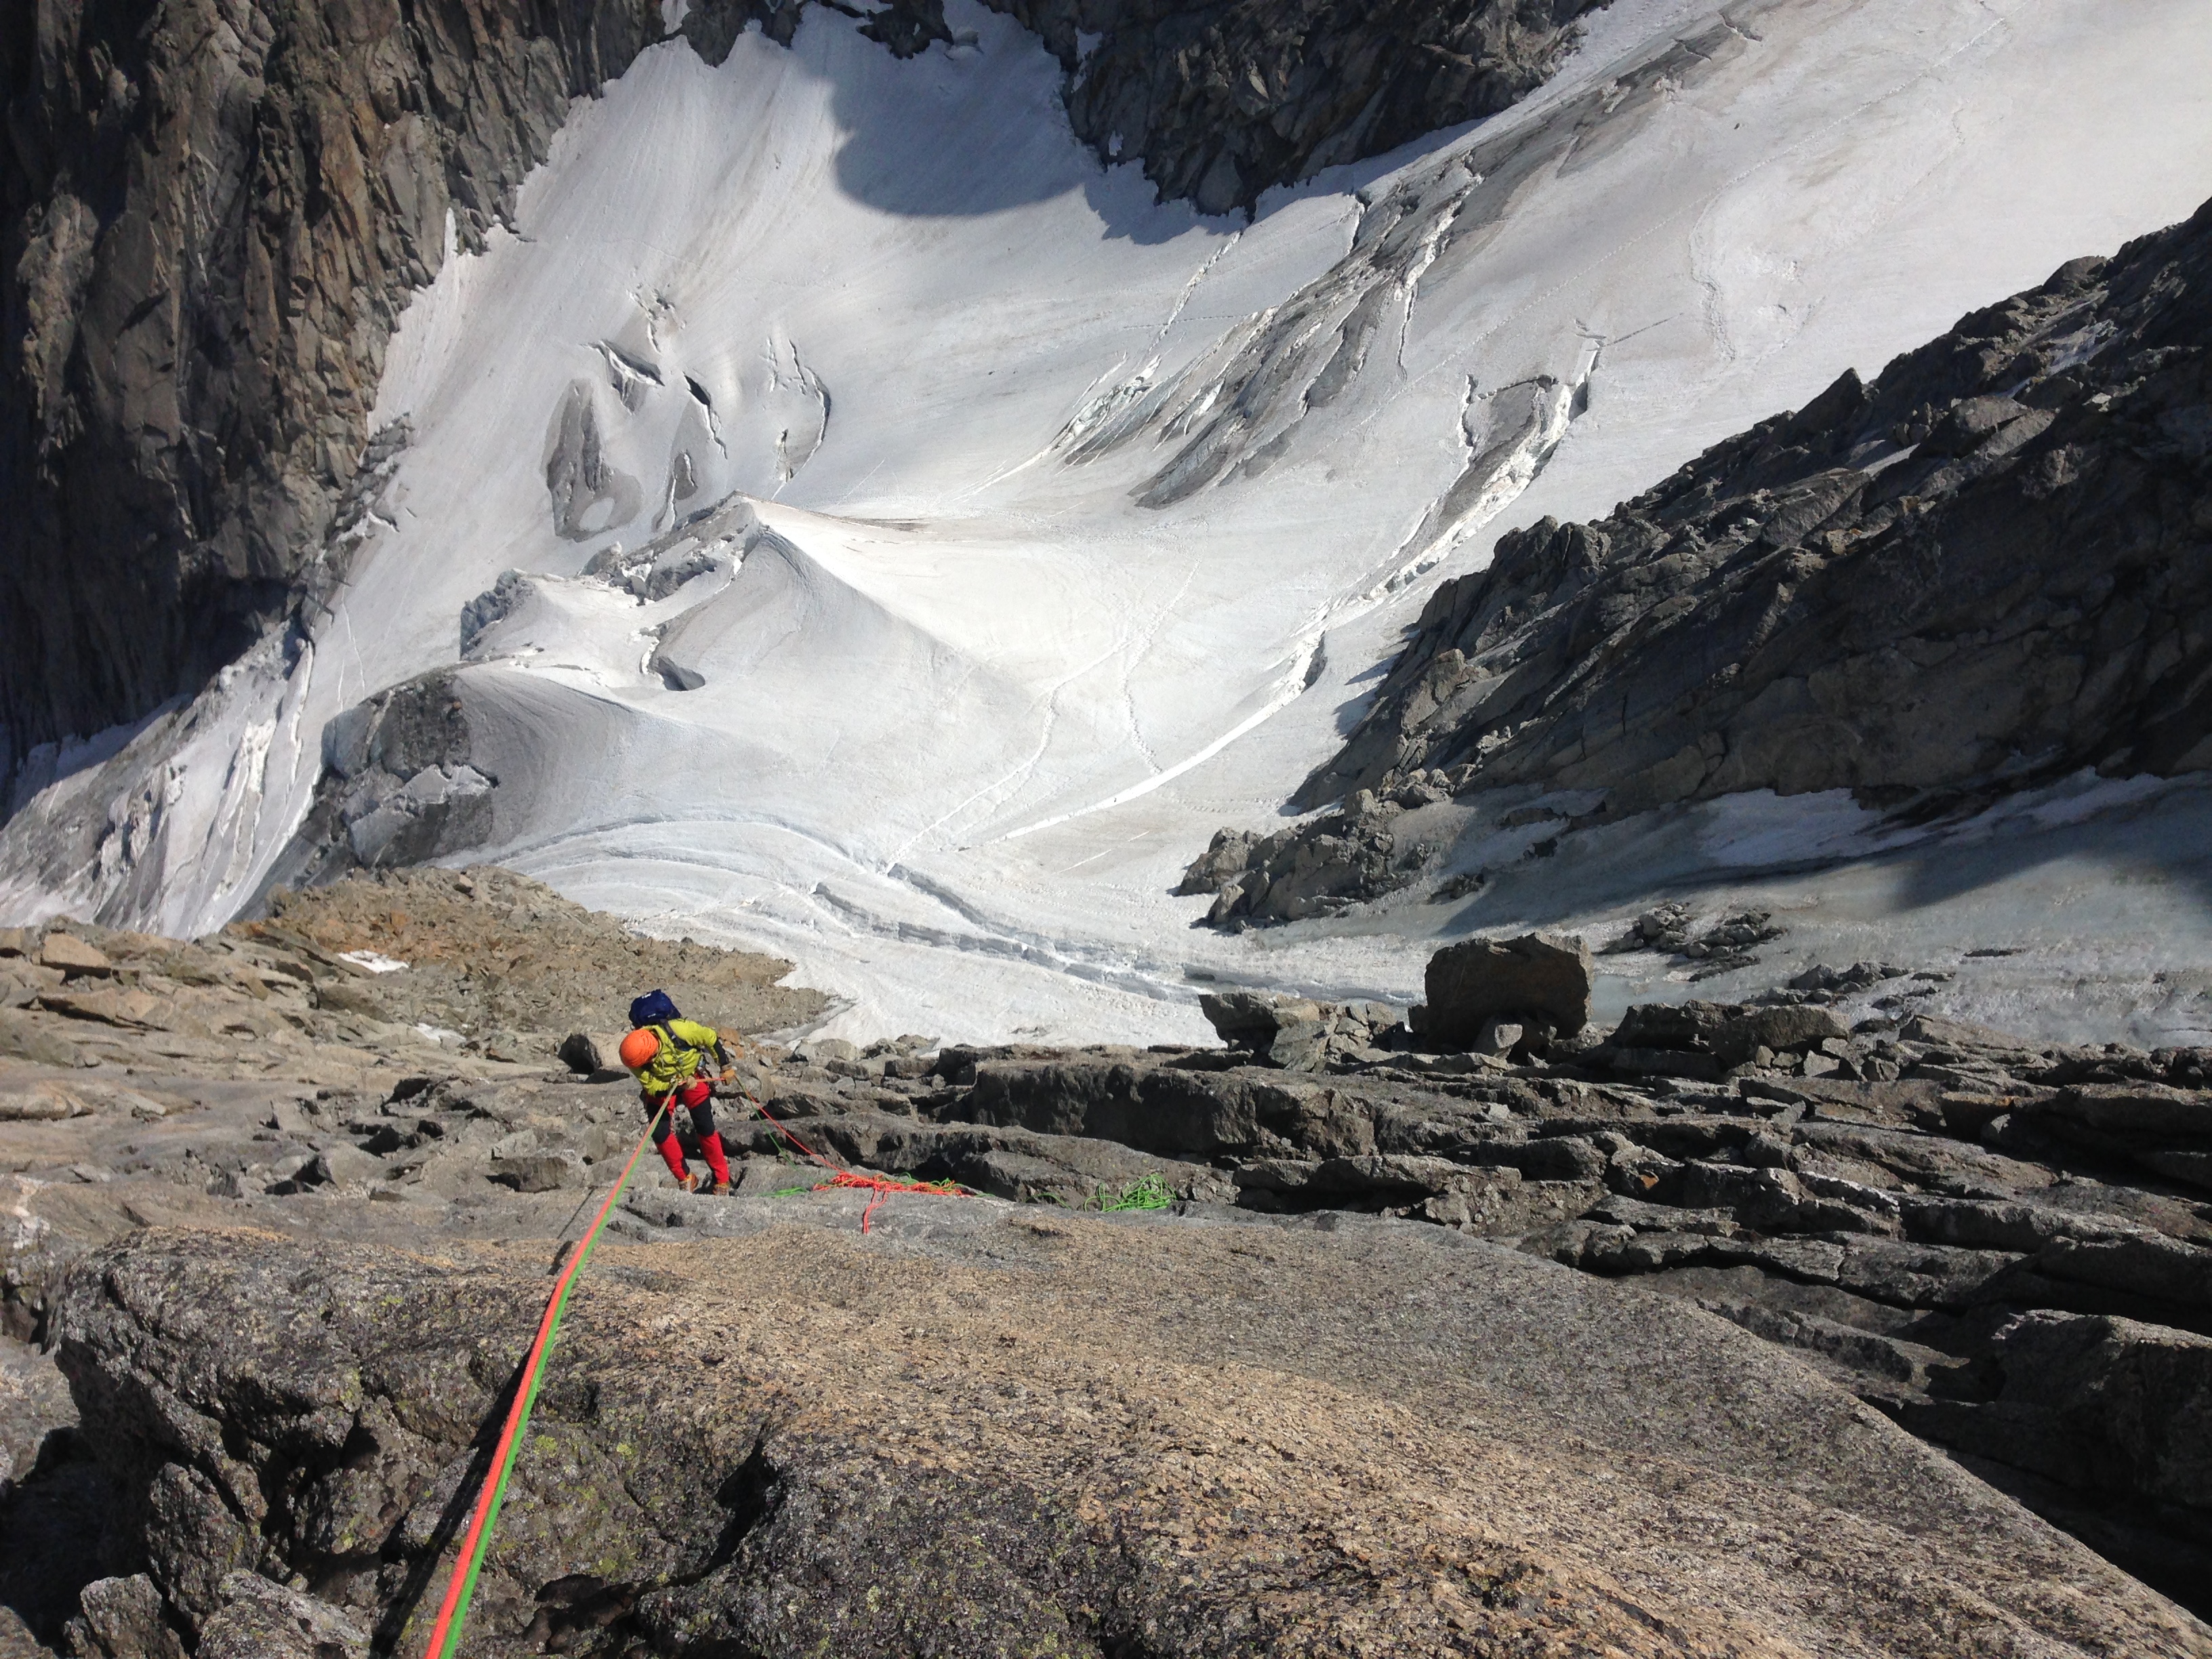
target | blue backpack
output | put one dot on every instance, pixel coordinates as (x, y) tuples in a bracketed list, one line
[(653, 1008)]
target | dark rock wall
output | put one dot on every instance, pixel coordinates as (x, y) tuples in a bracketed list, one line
[(212, 210), (1224, 100), (211, 213), (1993, 565)]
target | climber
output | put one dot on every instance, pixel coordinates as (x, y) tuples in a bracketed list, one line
[(666, 1053)]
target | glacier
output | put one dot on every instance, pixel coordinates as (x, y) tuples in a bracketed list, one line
[(866, 528)]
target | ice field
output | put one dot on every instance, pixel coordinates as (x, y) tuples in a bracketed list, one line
[(1016, 532)]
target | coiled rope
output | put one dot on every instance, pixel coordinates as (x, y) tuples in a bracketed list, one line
[(881, 1186)]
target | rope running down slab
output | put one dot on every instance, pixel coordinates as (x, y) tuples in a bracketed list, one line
[(460, 1590), (445, 1634)]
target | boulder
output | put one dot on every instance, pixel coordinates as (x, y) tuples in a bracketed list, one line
[(539, 1172), (1730, 1034), (580, 1054), (1801, 1026), (74, 957), (1290, 1033), (1499, 1036), (16, 1639), (1960, 1034), (194, 1539), (1295, 1034), (25, 1036), (1250, 1019), (512, 1047), (121, 1619), (261, 1619), (342, 1166), (1691, 1025), (1479, 979), (40, 1102)]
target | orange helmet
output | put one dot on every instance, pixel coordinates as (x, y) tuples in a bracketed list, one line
[(639, 1047)]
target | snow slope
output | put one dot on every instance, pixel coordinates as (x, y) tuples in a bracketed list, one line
[(1052, 528)]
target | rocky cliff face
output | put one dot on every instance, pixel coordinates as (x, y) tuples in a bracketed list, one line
[(1222, 101), (1989, 567), (212, 212), (1986, 570)]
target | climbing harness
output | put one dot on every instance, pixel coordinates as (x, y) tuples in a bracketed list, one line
[(460, 1590)]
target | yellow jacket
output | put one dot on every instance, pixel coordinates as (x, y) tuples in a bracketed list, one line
[(685, 1045)]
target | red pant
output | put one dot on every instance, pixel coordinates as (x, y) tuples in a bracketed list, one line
[(696, 1097)]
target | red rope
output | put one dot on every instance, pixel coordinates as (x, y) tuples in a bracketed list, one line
[(460, 1589), (882, 1186)]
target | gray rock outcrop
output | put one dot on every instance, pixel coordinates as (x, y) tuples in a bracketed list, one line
[(1222, 101), (941, 1456), (261, 1619), (1316, 869), (399, 787), (1984, 569)]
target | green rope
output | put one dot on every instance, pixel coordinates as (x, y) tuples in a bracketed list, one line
[(460, 1591)]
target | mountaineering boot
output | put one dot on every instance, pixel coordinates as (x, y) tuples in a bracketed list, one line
[(721, 1189), (688, 1181)]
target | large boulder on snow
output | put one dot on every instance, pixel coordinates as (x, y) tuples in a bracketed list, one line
[(1540, 976)]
